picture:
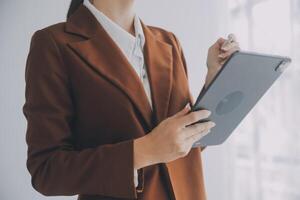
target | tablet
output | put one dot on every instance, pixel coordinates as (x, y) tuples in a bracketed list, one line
[(234, 91)]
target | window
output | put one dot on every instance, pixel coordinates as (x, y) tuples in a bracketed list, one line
[(265, 148)]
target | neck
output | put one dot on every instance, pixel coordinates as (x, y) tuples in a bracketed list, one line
[(120, 11)]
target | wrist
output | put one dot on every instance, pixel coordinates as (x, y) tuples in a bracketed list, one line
[(143, 155)]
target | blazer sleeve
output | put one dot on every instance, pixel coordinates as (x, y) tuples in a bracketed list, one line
[(180, 50), (56, 168)]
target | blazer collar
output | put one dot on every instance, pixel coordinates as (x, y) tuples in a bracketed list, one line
[(101, 53)]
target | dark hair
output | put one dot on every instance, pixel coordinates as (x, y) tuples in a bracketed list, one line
[(73, 6)]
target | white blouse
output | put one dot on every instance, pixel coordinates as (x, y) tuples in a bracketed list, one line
[(131, 46)]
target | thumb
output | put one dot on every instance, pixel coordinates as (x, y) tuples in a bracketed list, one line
[(183, 111), (220, 42)]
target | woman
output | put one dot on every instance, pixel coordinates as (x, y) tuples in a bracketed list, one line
[(105, 106)]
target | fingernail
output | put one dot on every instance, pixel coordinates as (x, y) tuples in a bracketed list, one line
[(188, 106), (208, 112), (221, 55), (225, 48), (213, 124)]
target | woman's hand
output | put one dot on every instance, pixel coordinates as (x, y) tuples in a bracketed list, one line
[(218, 53), (172, 138)]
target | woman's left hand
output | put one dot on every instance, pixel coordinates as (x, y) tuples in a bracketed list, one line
[(218, 53)]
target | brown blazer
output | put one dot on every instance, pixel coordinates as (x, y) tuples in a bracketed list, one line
[(85, 105)]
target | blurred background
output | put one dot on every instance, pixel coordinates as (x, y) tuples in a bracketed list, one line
[(260, 161)]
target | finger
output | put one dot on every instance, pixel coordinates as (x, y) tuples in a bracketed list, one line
[(220, 41), (191, 140), (183, 111), (198, 128), (222, 63), (233, 37), (223, 60), (229, 52), (193, 117), (227, 42), (230, 45)]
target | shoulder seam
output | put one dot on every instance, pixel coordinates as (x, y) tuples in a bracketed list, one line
[(58, 49), (55, 44)]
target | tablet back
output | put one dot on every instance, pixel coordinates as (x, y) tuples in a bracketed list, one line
[(237, 87)]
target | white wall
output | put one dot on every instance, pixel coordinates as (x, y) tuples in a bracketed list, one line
[(19, 19), (197, 24)]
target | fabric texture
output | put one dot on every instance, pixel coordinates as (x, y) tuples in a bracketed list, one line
[(131, 46), (85, 105)]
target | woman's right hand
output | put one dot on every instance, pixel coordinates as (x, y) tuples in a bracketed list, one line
[(172, 138)]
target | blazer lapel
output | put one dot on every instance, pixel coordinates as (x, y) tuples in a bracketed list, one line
[(107, 59), (158, 58)]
